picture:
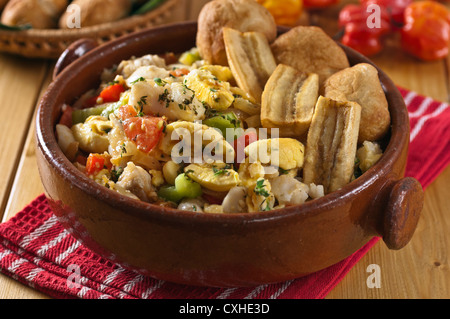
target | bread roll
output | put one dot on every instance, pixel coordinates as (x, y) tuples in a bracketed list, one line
[(41, 14), (94, 12), (361, 84), (241, 15), (309, 49)]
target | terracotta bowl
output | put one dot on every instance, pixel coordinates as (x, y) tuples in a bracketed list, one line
[(222, 250)]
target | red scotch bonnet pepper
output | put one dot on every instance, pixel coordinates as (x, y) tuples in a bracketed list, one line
[(363, 28), (424, 27), (426, 32)]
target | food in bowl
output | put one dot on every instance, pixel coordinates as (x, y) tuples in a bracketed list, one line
[(249, 136)]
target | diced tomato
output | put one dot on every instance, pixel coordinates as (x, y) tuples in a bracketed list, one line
[(97, 162), (243, 141), (66, 117), (112, 93), (179, 72), (126, 111), (145, 131)]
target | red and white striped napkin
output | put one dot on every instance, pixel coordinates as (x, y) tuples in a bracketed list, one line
[(36, 251)]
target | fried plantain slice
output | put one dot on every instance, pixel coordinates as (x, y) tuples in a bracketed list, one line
[(250, 59), (288, 100), (331, 144)]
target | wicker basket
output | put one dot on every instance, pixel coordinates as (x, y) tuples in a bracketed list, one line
[(50, 43)]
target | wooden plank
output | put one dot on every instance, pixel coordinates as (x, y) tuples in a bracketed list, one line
[(26, 183), (419, 270), (20, 83), (12, 289), (26, 186), (426, 78)]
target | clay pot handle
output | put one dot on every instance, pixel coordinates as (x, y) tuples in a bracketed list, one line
[(72, 53), (403, 212)]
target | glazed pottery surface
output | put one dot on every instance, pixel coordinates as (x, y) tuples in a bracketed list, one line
[(225, 250)]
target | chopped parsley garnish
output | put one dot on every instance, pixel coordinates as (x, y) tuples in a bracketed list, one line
[(164, 97), (221, 171), (210, 112), (141, 104), (123, 149), (233, 119), (260, 188), (159, 82), (188, 178), (185, 87), (112, 83), (115, 174), (141, 79), (267, 208)]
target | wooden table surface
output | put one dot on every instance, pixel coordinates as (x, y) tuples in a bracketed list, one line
[(420, 270)]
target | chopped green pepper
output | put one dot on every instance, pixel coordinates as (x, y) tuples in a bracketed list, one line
[(79, 116), (111, 108), (184, 188), (190, 57), (224, 121)]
